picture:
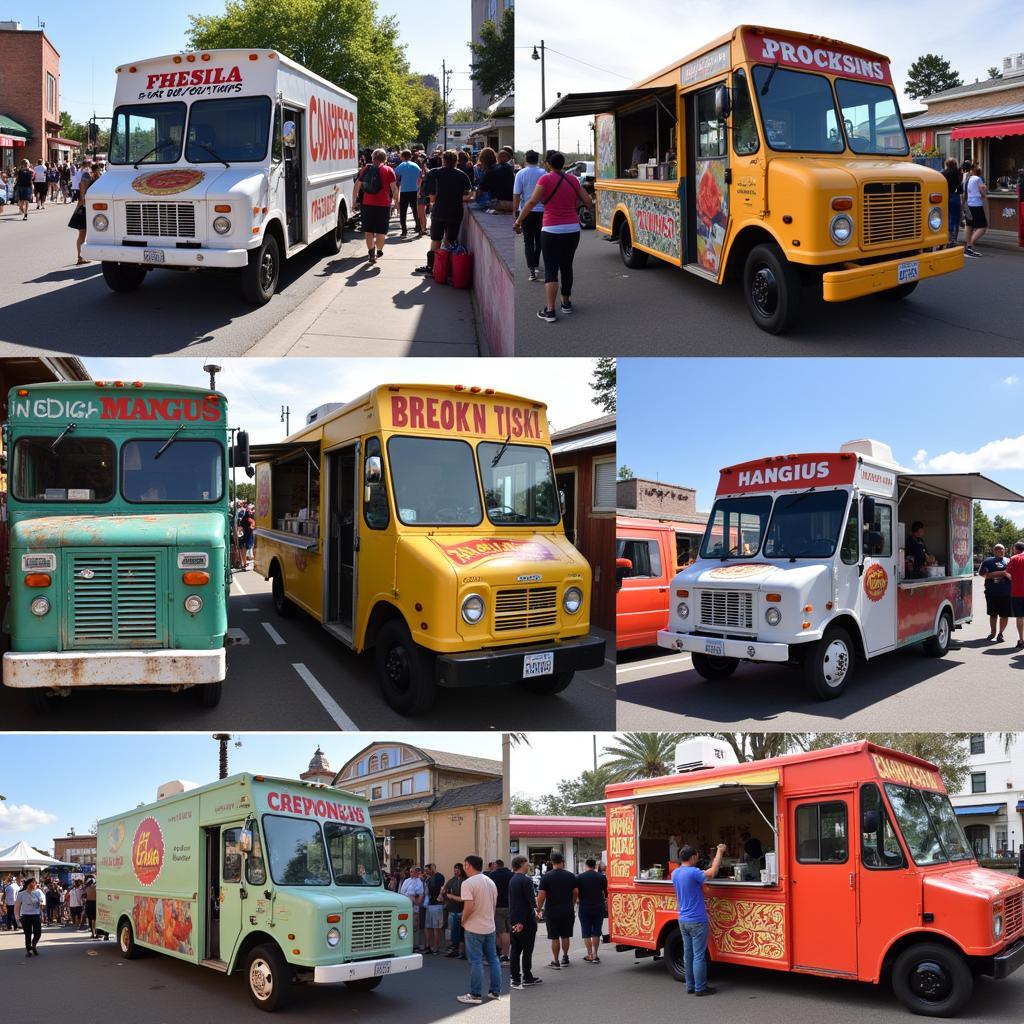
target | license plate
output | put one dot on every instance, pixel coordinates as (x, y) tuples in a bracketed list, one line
[(152, 255), (538, 664), (909, 271), (714, 647), (381, 968)]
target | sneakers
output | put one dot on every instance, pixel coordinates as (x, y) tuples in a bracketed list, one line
[(452, 953), (1019, 645), (470, 998), (493, 995), (533, 273), (999, 638), (371, 260), (548, 315), (972, 252), (991, 636), (565, 960), (527, 982), (567, 308), (380, 252), (706, 991), (504, 961), (555, 965), (423, 270)]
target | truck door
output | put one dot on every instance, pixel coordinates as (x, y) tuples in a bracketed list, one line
[(641, 604), (292, 137), (211, 894), (707, 197), (823, 879), (877, 594), (232, 888), (342, 541)]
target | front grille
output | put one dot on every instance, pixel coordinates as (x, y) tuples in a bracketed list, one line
[(892, 212), (114, 598), (370, 930), (727, 609), (525, 608), (160, 220), (1014, 919)]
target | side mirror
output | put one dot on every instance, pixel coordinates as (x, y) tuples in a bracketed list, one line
[(723, 103), (561, 500), (288, 134), (245, 840), (623, 567), (870, 821), (240, 450), (867, 510), (372, 471)]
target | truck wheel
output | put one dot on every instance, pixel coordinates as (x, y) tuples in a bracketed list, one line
[(932, 980), (363, 984), (635, 259), (673, 956), (282, 605), (269, 977), (259, 278), (936, 646), (405, 670), (123, 277), (43, 702), (555, 683), (126, 940), (334, 240), (828, 665), (208, 695), (900, 292), (712, 667), (771, 286)]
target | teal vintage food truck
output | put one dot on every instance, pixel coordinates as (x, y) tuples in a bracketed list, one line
[(118, 530), (275, 878)]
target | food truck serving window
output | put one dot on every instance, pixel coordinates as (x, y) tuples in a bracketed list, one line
[(821, 833), (434, 481), (871, 118), (79, 469), (648, 133), (735, 527), (147, 133), (519, 486), (929, 826), (805, 525), (182, 471), (798, 110), (353, 854), (234, 129)]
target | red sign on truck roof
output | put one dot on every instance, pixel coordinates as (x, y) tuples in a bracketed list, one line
[(789, 473), (807, 53)]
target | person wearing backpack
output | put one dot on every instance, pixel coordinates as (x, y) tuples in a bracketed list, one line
[(379, 196)]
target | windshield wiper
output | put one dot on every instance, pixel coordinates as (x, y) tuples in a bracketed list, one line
[(768, 80), (502, 450), (213, 153), (60, 437), (162, 144), (167, 444)]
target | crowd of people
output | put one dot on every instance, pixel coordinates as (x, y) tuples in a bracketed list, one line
[(31, 903), (243, 520), (967, 192)]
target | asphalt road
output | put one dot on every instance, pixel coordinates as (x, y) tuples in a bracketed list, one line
[(290, 674), (85, 980), (661, 310), (620, 988), (976, 687)]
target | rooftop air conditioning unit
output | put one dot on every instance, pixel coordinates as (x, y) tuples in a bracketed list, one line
[(703, 752), (174, 788), (877, 450), (321, 411)]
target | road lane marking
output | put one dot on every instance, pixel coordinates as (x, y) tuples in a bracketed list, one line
[(341, 720), (653, 664), (250, 609), (235, 583), (273, 634)]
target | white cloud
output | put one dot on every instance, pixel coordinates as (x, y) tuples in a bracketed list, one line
[(22, 817), (920, 457), (1006, 453), (1010, 381)]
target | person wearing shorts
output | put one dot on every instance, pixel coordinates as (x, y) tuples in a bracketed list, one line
[(376, 206), (997, 592), (501, 876), (1015, 567), (40, 183), (449, 188), (90, 904), (978, 222), (557, 900), (593, 889), (23, 190)]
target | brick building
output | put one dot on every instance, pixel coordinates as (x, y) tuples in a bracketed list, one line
[(665, 503), (76, 849)]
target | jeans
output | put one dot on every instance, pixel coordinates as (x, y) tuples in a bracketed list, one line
[(559, 250), (455, 924), (32, 925), (479, 947), (531, 237), (9, 917), (406, 202), (954, 218), (521, 953), (695, 954)]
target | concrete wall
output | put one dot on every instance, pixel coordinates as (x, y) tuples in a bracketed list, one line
[(459, 831), (493, 280), (651, 498)]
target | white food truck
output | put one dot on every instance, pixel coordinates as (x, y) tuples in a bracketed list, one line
[(805, 560), (222, 159)]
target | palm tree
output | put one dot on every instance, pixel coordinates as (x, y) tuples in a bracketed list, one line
[(508, 741), (640, 755)]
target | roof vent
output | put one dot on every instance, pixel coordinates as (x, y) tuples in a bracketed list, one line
[(879, 451), (703, 752), (1013, 65), (174, 788)]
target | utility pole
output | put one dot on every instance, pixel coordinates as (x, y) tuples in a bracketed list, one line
[(444, 99), (222, 738), (285, 418), (543, 101)]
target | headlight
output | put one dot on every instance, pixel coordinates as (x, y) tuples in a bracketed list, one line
[(572, 600), (473, 609), (935, 218), (773, 616), (40, 606), (333, 937), (841, 229), (402, 931), (221, 225), (997, 920), (100, 222), (193, 604), (683, 610)]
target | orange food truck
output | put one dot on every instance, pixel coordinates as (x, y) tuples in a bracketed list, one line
[(864, 872)]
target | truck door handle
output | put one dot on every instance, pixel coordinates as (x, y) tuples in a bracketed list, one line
[(852, 886), (355, 544)]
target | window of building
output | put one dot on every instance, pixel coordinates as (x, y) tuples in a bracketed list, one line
[(978, 837), (401, 788), (374, 763), (377, 792), (977, 743), (978, 783), (421, 782), (604, 485), (51, 93), (821, 833), (385, 760)]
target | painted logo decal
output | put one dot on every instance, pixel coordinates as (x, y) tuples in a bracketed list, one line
[(167, 183), (148, 851), (901, 771), (116, 837), (533, 577), (876, 582), (739, 572), (472, 551)]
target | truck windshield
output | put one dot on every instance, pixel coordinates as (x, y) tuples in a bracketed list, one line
[(231, 130), (186, 471), (871, 118), (434, 482), (736, 527), (798, 110), (353, 854), (296, 851), (929, 825), (805, 525), (147, 133), (81, 469), (519, 487)]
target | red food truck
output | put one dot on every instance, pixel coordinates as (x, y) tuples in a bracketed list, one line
[(864, 873)]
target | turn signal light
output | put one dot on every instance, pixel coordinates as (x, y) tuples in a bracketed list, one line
[(222, 208), (37, 579), (99, 206), (22, 392), (403, 917), (842, 203), (774, 598), (195, 579), (256, 56), (682, 593), (808, 607), (934, 197), (807, 625), (333, 918), (205, 56)]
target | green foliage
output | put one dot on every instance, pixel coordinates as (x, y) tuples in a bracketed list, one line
[(345, 41), (984, 531), (994, 73), (640, 755), (465, 115), (930, 74), (246, 491), (755, 746), (493, 66), (522, 804), (602, 383), (428, 109), (585, 787), (625, 473), (1006, 532), (71, 129)]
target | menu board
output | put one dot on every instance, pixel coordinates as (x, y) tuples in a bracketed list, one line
[(961, 513), (621, 843)]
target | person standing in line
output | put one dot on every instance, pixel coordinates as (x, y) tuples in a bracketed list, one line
[(449, 189), (956, 189), (11, 890), (479, 896), (688, 882), (522, 916), (76, 903), (593, 892), (997, 592), (379, 196), (28, 912), (501, 876), (976, 191), (89, 892), (39, 183), (408, 174), (434, 916), (52, 902), (453, 905), (524, 184), (1015, 567), (77, 221), (412, 887), (557, 900), (23, 183)]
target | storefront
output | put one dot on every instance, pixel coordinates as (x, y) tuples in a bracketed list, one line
[(13, 136), (985, 827), (576, 838)]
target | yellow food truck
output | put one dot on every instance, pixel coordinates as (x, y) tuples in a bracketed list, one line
[(424, 522), (771, 156)]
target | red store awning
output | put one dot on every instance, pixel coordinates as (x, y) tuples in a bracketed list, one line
[(989, 131), (528, 826), (8, 141)]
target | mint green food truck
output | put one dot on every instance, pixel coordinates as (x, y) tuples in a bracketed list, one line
[(276, 878), (118, 538)]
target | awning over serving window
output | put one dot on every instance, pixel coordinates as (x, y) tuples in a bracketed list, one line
[(671, 790), (581, 104), (966, 485), (964, 812), (274, 452), (989, 131)]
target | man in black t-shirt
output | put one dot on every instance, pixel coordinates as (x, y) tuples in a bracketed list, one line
[(593, 890), (522, 915), (499, 181), (997, 591), (501, 876), (557, 899), (450, 189), (434, 912)]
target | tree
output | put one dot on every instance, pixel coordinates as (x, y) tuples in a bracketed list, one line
[(246, 491), (755, 746), (1006, 531), (640, 755), (584, 788), (602, 383), (72, 129), (344, 41), (984, 531), (522, 804), (994, 73), (930, 74), (493, 69), (625, 473), (427, 108), (464, 115)]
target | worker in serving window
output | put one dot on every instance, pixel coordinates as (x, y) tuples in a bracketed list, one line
[(917, 550)]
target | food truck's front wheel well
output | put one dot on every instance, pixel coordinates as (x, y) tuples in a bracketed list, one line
[(929, 973), (282, 605), (381, 614), (740, 250), (246, 946)]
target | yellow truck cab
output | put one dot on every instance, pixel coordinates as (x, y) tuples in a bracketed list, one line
[(423, 522)]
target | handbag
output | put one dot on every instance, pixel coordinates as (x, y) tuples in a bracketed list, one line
[(77, 220)]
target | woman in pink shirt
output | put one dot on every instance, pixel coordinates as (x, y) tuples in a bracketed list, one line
[(561, 194)]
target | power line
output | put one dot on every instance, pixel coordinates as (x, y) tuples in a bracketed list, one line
[(567, 56)]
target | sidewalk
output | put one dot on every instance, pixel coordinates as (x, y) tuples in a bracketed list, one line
[(1001, 240), (384, 310)]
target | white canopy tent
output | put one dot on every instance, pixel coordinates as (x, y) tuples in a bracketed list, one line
[(21, 858)]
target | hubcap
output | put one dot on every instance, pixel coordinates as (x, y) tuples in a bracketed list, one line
[(397, 667), (764, 291), (931, 981), (124, 939), (261, 979), (943, 631), (267, 270), (836, 663)]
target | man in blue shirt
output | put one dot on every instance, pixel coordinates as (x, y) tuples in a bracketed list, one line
[(522, 188), (688, 881), (997, 591), (408, 174)]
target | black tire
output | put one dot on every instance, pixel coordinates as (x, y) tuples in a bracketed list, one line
[(771, 286), (555, 683), (712, 667), (208, 695), (126, 940), (43, 703), (899, 292), (828, 664), (363, 984), (268, 977), (334, 240), (673, 956), (123, 277), (260, 276), (405, 670), (932, 980), (633, 258), (282, 604), (937, 646)]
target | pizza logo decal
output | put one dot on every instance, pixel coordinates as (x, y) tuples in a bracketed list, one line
[(148, 851), (739, 572), (167, 183), (876, 582)]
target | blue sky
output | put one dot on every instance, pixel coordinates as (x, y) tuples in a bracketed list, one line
[(54, 782), (93, 39), (680, 421)]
